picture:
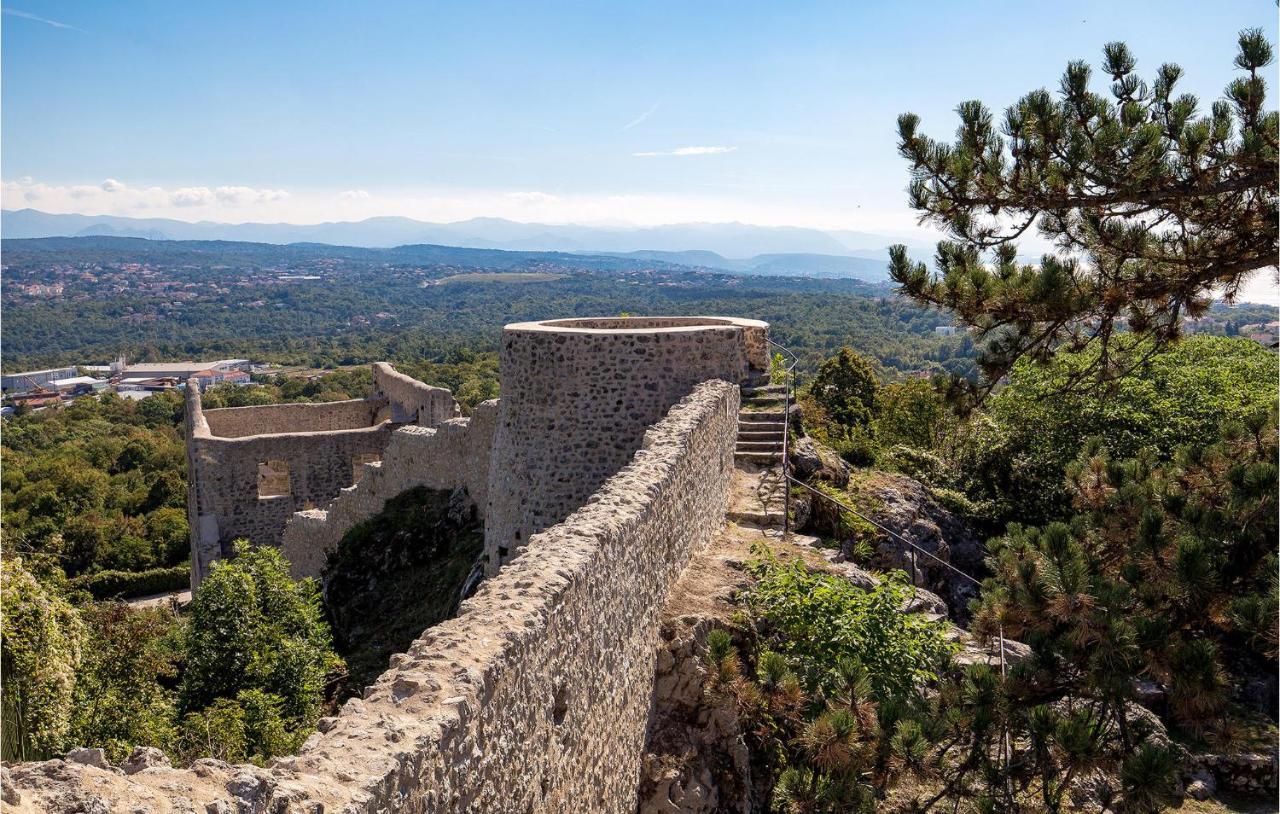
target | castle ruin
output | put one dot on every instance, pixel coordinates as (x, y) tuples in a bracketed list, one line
[(251, 468), (604, 466)]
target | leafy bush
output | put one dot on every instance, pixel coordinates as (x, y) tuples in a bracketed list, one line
[(254, 628), (817, 618), (39, 650), (121, 697), (1181, 397), (912, 413), (249, 727), (826, 696), (129, 584)]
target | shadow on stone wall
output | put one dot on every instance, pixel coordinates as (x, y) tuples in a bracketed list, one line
[(397, 574)]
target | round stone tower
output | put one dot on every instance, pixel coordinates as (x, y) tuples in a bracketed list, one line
[(577, 396)]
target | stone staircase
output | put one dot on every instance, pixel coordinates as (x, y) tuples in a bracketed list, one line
[(761, 422)]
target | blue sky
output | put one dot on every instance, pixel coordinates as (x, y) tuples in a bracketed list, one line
[(579, 112)]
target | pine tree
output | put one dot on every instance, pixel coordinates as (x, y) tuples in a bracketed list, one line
[(1152, 208)]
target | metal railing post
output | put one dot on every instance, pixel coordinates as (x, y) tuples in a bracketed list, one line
[(786, 448), (788, 394)]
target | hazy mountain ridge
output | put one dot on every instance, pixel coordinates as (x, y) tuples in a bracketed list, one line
[(742, 248)]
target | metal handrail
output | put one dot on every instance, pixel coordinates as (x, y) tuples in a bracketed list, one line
[(789, 385), (888, 531), (787, 480)]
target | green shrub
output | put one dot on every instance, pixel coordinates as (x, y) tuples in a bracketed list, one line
[(817, 619), (253, 628), (129, 584), (122, 695), (40, 646)]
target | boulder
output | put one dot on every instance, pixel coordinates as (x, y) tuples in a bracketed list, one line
[(1148, 693), (905, 507), (145, 757), (1201, 785), (89, 757), (811, 460), (8, 794)]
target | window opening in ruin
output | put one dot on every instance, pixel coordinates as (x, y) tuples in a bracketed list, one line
[(273, 479), (560, 705), (357, 464)]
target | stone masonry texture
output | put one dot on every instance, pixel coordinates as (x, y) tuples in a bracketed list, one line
[(454, 453), (533, 699), (317, 444), (576, 398)]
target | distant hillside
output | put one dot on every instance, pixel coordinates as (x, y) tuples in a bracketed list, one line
[(779, 265), (496, 259), (726, 240), (766, 265)]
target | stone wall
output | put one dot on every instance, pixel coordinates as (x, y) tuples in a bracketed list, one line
[(411, 401), (270, 419), (533, 699), (250, 469), (454, 453), (223, 500), (576, 398)]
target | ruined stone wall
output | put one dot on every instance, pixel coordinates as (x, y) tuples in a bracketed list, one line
[(250, 469), (411, 401), (454, 453), (238, 422), (223, 500), (576, 398), (533, 699)]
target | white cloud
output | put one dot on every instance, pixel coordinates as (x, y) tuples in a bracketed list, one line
[(531, 197), (113, 196), (241, 196), (234, 203), (683, 151), (640, 119), (191, 196)]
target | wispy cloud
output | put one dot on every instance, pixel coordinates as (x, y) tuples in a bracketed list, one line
[(116, 195), (683, 151), (532, 197), (640, 119), (26, 15), (356, 195)]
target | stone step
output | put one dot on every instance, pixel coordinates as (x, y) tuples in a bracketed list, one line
[(756, 380), (766, 400), (758, 446), (754, 517), (768, 389), (756, 416), (748, 424), (765, 435), (759, 457)]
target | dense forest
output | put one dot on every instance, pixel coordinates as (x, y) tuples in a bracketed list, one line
[(328, 306)]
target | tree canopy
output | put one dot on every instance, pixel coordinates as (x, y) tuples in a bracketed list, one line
[(1153, 209)]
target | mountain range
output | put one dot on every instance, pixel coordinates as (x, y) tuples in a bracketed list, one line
[(737, 247)]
